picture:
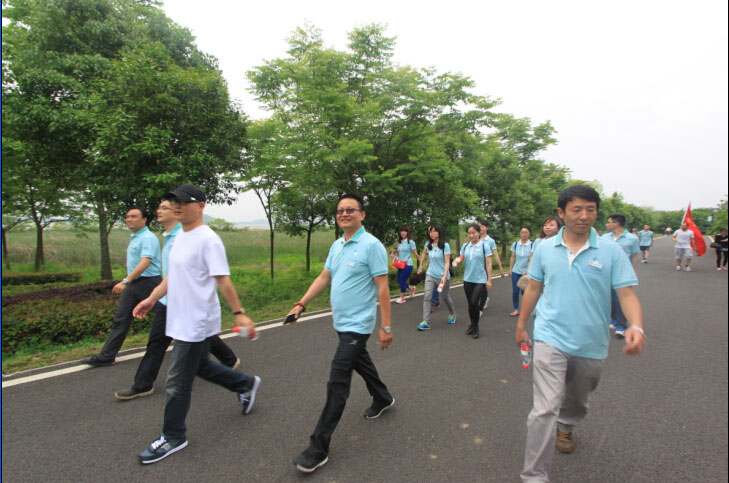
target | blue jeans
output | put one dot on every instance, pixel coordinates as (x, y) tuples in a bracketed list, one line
[(351, 356), (188, 360), (515, 290), (403, 274)]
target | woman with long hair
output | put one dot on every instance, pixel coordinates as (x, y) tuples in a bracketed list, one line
[(404, 253), (475, 253), (521, 251), (439, 263)]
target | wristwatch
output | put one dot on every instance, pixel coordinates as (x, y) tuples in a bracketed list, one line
[(125, 281), (239, 312), (386, 329)]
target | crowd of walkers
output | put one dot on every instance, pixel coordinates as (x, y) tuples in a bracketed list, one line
[(580, 284)]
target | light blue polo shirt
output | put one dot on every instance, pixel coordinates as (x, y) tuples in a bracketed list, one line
[(573, 312), (436, 265), (169, 240), (627, 241), (405, 251), (491, 244), (353, 264), (144, 243), (474, 256), (646, 238), (523, 253)]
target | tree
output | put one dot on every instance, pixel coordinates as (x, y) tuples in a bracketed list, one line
[(117, 95), (219, 224)]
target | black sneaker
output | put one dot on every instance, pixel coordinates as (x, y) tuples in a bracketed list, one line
[(374, 411), (160, 449), (247, 398), (308, 464), (132, 394), (96, 362)]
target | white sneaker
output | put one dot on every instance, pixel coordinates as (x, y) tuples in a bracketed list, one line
[(486, 305), (678, 268), (687, 269), (401, 300)]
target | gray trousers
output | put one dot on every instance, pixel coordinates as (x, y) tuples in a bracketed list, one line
[(562, 387), (431, 283), (138, 290)]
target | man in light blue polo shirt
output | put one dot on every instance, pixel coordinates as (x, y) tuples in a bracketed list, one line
[(577, 271), (646, 241), (629, 243), (143, 275), (357, 269)]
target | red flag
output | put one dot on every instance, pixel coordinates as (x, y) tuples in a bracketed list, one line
[(699, 242)]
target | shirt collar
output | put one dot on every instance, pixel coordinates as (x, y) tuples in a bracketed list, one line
[(140, 232), (558, 240), (355, 238), (174, 230)]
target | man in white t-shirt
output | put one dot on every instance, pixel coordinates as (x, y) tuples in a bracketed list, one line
[(197, 268), (684, 249)]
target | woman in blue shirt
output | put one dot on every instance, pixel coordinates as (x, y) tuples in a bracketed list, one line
[(439, 263), (521, 251), (475, 254), (406, 251)]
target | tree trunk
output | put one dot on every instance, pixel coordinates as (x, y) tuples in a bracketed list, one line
[(39, 258), (308, 247), (502, 223), (104, 242), (5, 249), (270, 226)]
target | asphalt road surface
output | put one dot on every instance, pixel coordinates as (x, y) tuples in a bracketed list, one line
[(460, 412)]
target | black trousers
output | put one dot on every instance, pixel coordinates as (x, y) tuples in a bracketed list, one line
[(138, 290), (157, 346), (482, 299), (351, 356), (718, 258), (475, 293)]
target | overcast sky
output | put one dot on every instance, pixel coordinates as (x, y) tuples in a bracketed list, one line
[(637, 90)]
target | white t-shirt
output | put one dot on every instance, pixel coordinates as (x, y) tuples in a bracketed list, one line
[(683, 238), (193, 308)]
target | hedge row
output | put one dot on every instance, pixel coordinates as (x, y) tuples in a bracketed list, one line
[(57, 321), (35, 278), (76, 293)]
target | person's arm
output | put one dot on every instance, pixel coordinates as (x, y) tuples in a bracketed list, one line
[(228, 290), (415, 257), (138, 270), (146, 305), (511, 261), (528, 302), (495, 254), (634, 261), (383, 297), (489, 272), (673, 237), (447, 258), (316, 287), (422, 258), (634, 336)]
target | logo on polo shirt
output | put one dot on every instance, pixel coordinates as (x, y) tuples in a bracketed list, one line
[(594, 266)]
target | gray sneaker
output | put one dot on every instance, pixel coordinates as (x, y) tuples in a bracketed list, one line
[(687, 269), (132, 394), (248, 398)]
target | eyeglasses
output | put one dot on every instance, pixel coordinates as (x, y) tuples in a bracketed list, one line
[(348, 211)]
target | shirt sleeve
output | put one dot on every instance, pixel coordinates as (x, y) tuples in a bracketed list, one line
[(328, 263), (149, 247), (622, 274), (377, 259), (446, 249), (635, 247), (536, 270), (412, 245), (215, 258)]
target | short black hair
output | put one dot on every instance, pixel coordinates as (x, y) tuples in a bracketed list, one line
[(352, 196), (144, 213), (526, 227), (475, 226), (578, 191), (482, 221), (618, 218)]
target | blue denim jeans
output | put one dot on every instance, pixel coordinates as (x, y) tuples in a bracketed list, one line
[(515, 291), (403, 274), (616, 311), (188, 360)]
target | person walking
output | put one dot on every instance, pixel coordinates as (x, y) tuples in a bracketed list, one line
[(617, 233), (143, 275), (576, 273), (483, 303), (477, 274), (438, 276), (198, 267), (722, 241), (684, 249), (406, 250), (550, 227), (158, 342), (521, 252), (646, 242), (356, 267)]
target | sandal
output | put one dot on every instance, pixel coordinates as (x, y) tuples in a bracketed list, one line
[(514, 313)]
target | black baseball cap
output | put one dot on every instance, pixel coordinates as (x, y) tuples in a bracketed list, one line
[(186, 193)]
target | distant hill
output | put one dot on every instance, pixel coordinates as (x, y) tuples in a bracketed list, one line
[(259, 224), (207, 218)]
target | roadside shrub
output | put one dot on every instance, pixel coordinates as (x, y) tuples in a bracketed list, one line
[(75, 293), (35, 278), (59, 321)]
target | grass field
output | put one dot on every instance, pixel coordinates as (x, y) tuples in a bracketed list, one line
[(248, 256)]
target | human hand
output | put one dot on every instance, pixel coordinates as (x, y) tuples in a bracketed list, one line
[(385, 339), (521, 336), (118, 288), (634, 341), (143, 308)]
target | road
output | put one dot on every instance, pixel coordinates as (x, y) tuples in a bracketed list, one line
[(460, 413)]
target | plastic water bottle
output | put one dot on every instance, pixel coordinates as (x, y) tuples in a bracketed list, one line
[(457, 261), (526, 355), (440, 287), (244, 332), (392, 253)]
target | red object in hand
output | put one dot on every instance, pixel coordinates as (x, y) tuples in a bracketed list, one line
[(244, 332)]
